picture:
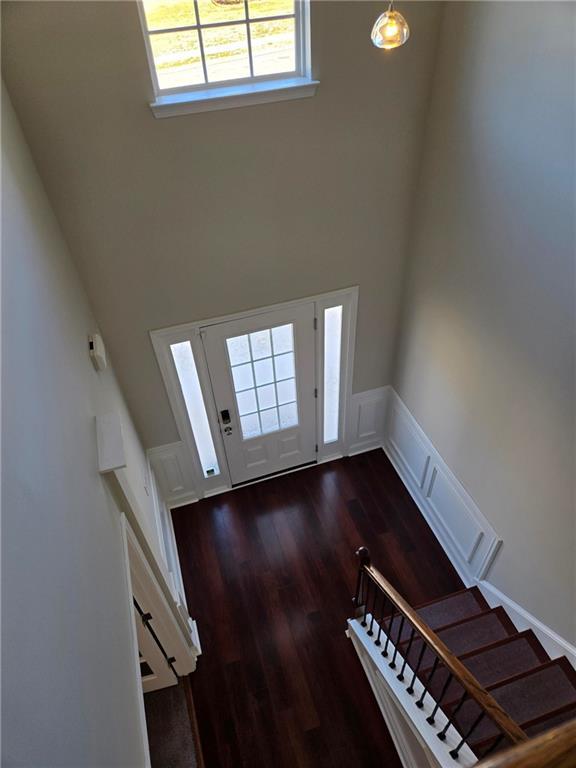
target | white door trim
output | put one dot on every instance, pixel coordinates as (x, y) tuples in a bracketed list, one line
[(162, 339), (282, 448)]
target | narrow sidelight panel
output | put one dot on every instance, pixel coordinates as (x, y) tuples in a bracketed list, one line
[(190, 384), (332, 352)]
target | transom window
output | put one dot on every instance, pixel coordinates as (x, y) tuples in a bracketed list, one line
[(264, 378), (196, 43)]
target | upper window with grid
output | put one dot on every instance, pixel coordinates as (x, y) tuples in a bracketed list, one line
[(193, 44)]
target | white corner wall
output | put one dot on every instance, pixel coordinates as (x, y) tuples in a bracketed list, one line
[(485, 361), (70, 696)]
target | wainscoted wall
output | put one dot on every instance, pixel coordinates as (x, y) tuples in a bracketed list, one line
[(366, 420), (173, 468), (468, 538)]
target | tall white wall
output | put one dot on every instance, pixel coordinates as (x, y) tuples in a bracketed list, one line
[(486, 355), (69, 693), (202, 215)]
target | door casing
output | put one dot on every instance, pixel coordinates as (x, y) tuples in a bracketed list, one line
[(162, 339), (281, 449)]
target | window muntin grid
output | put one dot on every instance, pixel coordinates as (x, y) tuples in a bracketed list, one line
[(198, 43), (264, 379)]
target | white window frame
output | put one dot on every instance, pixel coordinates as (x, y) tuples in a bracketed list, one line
[(228, 94), (163, 338)]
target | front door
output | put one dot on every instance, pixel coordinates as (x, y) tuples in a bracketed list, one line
[(262, 371)]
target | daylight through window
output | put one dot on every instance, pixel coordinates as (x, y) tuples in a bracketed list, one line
[(193, 43), (194, 400)]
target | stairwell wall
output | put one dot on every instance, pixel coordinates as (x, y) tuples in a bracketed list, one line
[(485, 358), (70, 691)]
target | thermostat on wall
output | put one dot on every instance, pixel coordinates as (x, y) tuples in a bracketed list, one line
[(97, 351)]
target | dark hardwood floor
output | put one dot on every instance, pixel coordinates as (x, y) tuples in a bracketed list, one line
[(269, 571)]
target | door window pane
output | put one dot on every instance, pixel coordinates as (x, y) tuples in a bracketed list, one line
[(243, 378), (264, 371), (260, 343), (282, 339), (194, 401), (269, 420), (246, 402), (286, 391), (332, 347), (250, 426), (262, 365), (266, 396), (288, 415), (238, 350), (284, 365)]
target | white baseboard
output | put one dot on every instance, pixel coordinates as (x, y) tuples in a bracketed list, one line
[(182, 501), (554, 645), (366, 420)]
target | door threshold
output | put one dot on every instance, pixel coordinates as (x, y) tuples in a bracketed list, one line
[(274, 474)]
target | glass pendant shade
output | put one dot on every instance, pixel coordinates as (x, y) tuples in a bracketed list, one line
[(390, 31)]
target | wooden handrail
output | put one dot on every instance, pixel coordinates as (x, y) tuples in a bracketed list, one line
[(554, 749), (466, 679)]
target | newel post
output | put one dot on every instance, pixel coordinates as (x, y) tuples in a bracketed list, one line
[(363, 556)]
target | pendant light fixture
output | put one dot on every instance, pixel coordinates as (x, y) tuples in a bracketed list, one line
[(391, 29)]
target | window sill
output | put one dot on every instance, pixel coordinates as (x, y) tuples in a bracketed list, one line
[(229, 97)]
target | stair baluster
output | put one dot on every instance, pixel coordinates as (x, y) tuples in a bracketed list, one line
[(374, 599)]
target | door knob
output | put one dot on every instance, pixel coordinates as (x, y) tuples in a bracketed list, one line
[(227, 430)]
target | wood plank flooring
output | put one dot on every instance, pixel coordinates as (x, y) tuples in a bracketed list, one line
[(269, 572)]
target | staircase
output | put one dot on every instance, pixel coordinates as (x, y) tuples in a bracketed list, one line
[(483, 685), (537, 693)]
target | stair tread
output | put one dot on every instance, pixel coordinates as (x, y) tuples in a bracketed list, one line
[(527, 698), (447, 610), (544, 723), (552, 720), (454, 606), (467, 635), (494, 663)]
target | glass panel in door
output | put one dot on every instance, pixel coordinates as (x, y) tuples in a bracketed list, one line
[(264, 377)]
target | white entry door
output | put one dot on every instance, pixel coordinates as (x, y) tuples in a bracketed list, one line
[(262, 370)]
